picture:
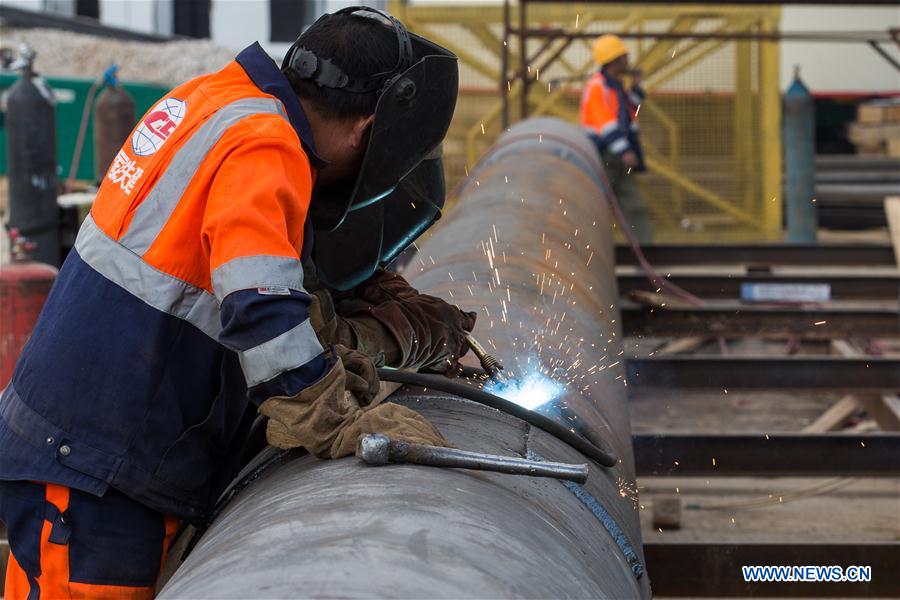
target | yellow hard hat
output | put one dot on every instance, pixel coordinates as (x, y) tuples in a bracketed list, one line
[(608, 48)]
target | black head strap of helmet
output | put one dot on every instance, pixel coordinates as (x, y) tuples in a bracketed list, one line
[(325, 73)]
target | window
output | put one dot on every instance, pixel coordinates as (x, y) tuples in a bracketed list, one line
[(88, 8), (191, 18), (288, 17)]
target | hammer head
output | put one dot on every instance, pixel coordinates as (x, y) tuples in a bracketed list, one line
[(374, 449)]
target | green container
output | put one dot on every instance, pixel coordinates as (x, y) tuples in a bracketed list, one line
[(71, 95)]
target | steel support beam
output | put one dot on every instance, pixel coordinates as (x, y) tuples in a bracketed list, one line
[(767, 455), (843, 287), (868, 374), (771, 36), (758, 254), (713, 569), (759, 321)]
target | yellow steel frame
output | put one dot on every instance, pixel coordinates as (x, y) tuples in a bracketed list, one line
[(756, 210), (770, 146)]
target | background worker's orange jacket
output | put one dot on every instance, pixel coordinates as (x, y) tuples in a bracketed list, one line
[(609, 113), (182, 297)]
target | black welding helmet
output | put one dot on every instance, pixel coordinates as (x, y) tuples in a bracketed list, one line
[(398, 192), (416, 100), (377, 233)]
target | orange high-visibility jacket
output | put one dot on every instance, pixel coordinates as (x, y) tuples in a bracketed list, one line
[(609, 114), (182, 297)]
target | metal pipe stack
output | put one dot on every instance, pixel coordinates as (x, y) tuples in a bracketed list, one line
[(529, 246)]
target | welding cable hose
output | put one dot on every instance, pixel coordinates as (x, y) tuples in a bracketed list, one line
[(441, 383)]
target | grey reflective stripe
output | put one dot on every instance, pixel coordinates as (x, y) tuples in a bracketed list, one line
[(609, 128), (161, 291), (619, 146), (248, 272), (151, 214), (290, 350)]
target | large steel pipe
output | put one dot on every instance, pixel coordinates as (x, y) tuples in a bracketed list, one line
[(530, 247)]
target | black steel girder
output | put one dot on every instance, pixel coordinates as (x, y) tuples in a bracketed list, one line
[(843, 287), (706, 569), (758, 254), (760, 321), (767, 455), (867, 374)]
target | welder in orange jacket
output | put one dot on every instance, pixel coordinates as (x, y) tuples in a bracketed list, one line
[(182, 309), (610, 114)]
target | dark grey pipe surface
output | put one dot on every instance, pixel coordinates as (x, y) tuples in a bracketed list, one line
[(312, 528)]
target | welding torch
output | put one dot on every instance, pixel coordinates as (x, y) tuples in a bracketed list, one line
[(490, 364)]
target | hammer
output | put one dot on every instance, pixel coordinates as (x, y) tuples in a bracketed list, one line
[(377, 449)]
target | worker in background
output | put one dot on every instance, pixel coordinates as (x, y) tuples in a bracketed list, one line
[(609, 112), (182, 310)]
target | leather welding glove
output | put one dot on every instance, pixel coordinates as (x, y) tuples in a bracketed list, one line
[(426, 331), (328, 417), (362, 332)]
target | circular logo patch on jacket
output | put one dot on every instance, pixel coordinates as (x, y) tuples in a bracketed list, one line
[(153, 131)]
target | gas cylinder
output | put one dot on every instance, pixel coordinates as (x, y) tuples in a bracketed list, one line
[(114, 118), (800, 163), (24, 286), (31, 156)]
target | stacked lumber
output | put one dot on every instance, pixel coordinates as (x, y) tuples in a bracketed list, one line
[(876, 130)]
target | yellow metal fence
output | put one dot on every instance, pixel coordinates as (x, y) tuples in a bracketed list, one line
[(710, 125)]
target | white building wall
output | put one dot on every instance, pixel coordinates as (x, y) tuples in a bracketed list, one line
[(236, 24), (839, 67), (137, 15), (47, 5)]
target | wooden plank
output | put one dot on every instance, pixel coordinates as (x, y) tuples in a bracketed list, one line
[(893, 147), (866, 134), (834, 417), (655, 299), (885, 409), (892, 402), (681, 346), (878, 112), (844, 348), (892, 210)]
